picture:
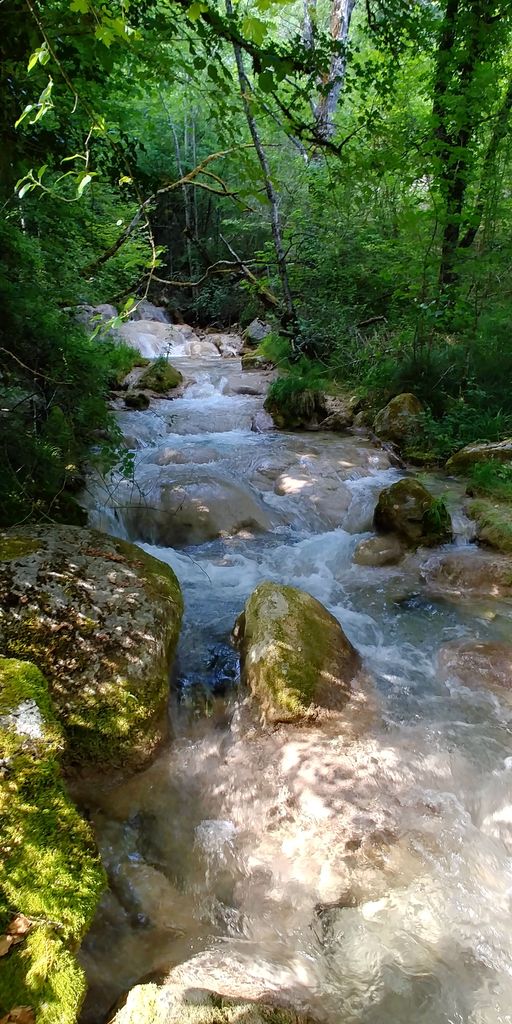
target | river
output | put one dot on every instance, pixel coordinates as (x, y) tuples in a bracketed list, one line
[(363, 875)]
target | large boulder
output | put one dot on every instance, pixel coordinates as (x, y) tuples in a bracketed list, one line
[(193, 509), (256, 332), (50, 875), (493, 523), (497, 451), (409, 510), (311, 410), (295, 656), (160, 377), (173, 1004), (101, 619), (145, 310), (478, 663), (399, 418)]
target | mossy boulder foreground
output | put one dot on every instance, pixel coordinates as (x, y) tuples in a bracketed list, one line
[(473, 454), (493, 522), (409, 510), (160, 377), (399, 419), (101, 619), (295, 657), (50, 875), (170, 1004)]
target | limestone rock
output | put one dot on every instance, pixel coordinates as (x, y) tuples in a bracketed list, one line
[(256, 332), (409, 510), (194, 509), (262, 422), (468, 573), (253, 360), (295, 656), (477, 663), (497, 451), (160, 377), (101, 619), (172, 1004), (379, 551), (136, 400), (145, 310), (399, 419), (50, 868), (229, 345), (312, 410), (493, 523)]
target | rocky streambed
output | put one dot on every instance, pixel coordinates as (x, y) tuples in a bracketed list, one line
[(329, 840)]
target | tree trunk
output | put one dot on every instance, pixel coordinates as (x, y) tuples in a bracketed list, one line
[(272, 195), (332, 83)]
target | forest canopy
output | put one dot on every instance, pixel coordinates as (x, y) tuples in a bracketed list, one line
[(341, 167)]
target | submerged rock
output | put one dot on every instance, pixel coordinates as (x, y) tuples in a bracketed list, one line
[(172, 1004), (399, 418), (50, 875), (295, 657), (379, 551), (495, 451), (101, 619), (468, 573), (173, 512), (409, 510), (478, 663)]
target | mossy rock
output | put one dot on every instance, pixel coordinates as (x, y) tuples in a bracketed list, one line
[(136, 400), (169, 1004), (160, 377), (498, 451), (101, 619), (409, 510), (253, 359), (399, 419), (494, 523), (295, 656), (379, 551), (49, 866)]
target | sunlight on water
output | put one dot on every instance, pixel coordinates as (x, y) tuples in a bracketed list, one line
[(362, 871)]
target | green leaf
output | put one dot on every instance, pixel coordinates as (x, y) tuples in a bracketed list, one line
[(195, 10), (266, 81), (104, 34), (129, 304), (41, 171), (81, 6), (25, 188), (26, 112), (254, 28), (85, 180), (125, 179)]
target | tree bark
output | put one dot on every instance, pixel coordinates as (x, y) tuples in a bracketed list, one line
[(332, 83), (272, 195)]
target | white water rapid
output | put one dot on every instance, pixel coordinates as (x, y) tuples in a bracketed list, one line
[(365, 877)]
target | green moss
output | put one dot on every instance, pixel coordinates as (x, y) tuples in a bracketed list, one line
[(119, 719), (49, 866), (408, 509), (136, 400), (149, 1004), (160, 377), (16, 547), (294, 653), (494, 523)]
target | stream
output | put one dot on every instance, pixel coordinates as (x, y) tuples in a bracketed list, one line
[(362, 875)]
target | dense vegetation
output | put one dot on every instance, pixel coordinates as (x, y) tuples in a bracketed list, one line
[(342, 167)]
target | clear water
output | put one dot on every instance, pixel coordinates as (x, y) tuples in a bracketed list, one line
[(365, 875)]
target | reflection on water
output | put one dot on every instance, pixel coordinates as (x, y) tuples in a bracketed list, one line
[(363, 870)]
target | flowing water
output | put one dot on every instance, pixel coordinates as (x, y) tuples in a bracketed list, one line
[(362, 874)]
